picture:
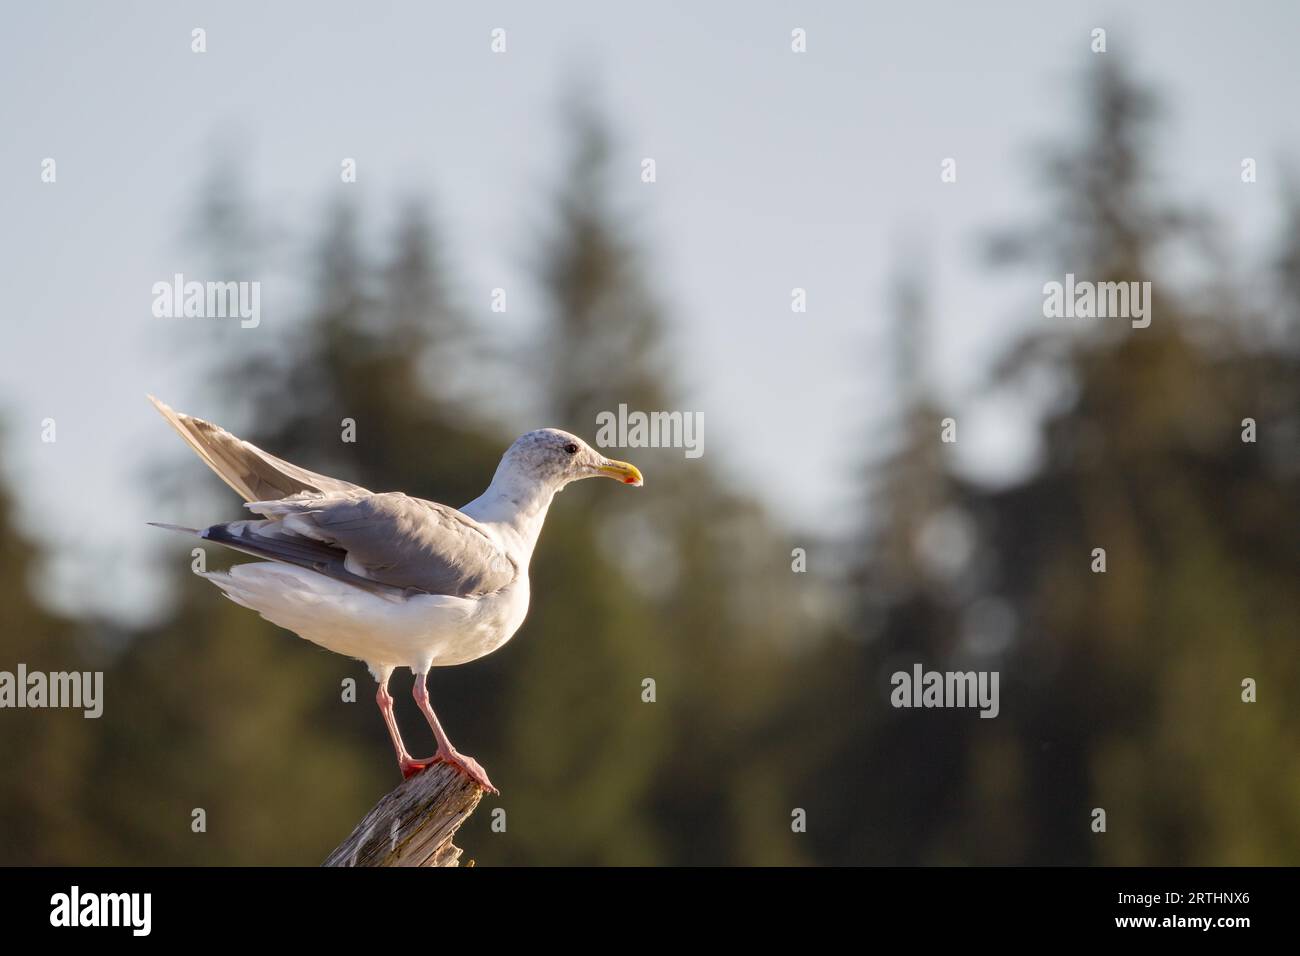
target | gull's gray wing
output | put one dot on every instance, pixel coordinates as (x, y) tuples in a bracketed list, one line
[(256, 475), (387, 540)]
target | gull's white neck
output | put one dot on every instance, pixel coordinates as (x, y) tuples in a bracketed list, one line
[(514, 508)]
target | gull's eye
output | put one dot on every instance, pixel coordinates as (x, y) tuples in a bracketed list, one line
[(570, 449)]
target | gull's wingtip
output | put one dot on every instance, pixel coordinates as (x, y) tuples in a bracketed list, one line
[(175, 418), (174, 527)]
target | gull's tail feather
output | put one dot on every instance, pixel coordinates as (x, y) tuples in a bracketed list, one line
[(228, 587), (251, 472)]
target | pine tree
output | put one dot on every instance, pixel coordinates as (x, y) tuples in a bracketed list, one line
[(44, 752)]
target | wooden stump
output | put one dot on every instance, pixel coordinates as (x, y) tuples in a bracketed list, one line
[(414, 824)]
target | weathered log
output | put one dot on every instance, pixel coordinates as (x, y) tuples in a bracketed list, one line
[(414, 824)]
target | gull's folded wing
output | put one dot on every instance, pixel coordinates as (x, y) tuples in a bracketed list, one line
[(390, 540)]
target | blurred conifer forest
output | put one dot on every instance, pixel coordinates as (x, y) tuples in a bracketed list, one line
[(1119, 690)]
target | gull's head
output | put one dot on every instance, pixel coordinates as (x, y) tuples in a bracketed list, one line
[(553, 457)]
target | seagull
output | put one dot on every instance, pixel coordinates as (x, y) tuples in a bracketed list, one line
[(390, 580)]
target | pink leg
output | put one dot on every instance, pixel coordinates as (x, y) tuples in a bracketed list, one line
[(385, 702), (446, 752)]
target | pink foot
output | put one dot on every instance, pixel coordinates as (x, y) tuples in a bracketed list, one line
[(466, 765)]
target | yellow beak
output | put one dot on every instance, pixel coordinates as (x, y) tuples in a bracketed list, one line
[(622, 471)]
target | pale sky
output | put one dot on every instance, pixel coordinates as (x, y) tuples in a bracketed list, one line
[(775, 170)]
